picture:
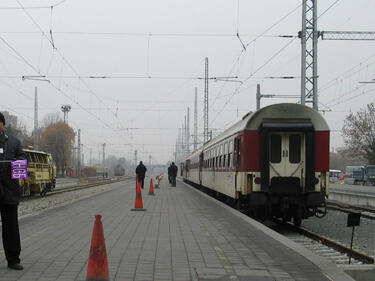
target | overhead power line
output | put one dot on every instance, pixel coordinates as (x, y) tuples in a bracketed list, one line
[(145, 34), (33, 7)]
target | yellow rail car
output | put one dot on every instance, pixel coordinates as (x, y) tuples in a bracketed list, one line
[(41, 173)]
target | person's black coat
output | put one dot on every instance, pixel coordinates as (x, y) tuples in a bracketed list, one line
[(141, 171), (173, 171), (10, 191)]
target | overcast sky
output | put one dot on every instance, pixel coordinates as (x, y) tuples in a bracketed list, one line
[(152, 54)]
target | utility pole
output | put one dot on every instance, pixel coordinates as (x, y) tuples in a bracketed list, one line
[(188, 132), (259, 96), (36, 132), (309, 45), (309, 53), (135, 157), (83, 157), (182, 153), (103, 158), (205, 110), (90, 157), (79, 154), (196, 119)]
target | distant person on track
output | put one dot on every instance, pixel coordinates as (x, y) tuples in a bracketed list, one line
[(172, 174), (141, 173), (10, 193)]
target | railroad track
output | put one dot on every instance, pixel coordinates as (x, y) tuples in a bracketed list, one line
[(323, 246), (75, 188), (366, 212)]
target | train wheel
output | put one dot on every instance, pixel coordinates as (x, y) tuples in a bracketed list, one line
[(297, 218), (44, 190)]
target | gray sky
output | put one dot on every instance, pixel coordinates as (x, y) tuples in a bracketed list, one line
[(152, 52)]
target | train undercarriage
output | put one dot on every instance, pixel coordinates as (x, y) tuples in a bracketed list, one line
[(264, 206)]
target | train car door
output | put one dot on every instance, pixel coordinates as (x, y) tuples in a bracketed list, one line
[(286, 159), (237, 160), (187, 169), (201, 161)]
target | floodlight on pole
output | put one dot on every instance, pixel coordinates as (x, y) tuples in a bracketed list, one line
[(65, 109)]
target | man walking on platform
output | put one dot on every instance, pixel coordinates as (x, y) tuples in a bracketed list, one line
[(172, 171), (10, 193), (141, 173)]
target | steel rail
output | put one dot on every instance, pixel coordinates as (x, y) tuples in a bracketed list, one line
[(74, 188)]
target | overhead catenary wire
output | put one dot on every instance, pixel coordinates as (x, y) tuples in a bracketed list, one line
[(243, 51), (258, 69), (67, 62), (144, 34), (33, 7)]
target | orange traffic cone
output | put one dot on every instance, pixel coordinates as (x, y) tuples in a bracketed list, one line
[(151, 191), (97, 268), (138, 199)]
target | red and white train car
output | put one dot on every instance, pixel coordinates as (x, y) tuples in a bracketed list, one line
[(275, 162)]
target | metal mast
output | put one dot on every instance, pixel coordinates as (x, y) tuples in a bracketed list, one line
[(309, 59), (205, 112), (188, 132), (36, 135), (79, 153), (104, 160), (195, 120)]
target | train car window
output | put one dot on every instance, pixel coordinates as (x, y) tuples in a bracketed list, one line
[(275, 149), (224, 160), (229, 157), (220, 161), (294, 148)]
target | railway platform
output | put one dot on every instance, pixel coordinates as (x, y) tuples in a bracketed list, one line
[(182, 235)]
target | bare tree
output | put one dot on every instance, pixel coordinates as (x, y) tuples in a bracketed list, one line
[(57, 139), (51, 118), (359, 133)]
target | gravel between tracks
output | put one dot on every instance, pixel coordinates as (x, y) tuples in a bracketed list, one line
[(30, 207), (333, 226)]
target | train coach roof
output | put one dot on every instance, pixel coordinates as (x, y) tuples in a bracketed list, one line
[(278, 113)]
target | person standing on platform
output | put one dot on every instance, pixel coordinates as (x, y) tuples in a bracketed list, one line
[(141, 173), (10, 193), (169, 173), (173, 173)]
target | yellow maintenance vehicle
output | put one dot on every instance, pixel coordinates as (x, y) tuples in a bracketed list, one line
[(41, 173)]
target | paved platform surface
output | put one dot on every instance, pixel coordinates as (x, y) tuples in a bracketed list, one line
[(183, 235)]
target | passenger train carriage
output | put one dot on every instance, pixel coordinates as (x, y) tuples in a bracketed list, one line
[(274, 162)]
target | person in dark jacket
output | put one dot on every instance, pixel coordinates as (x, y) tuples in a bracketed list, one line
[(169, 173), (172, 172), (141, 173), (10, 193)]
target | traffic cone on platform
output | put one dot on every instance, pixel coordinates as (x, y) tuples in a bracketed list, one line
[(151, 191), (97, 268), (138, 199)]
